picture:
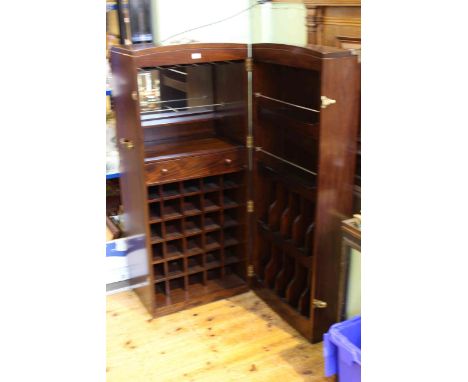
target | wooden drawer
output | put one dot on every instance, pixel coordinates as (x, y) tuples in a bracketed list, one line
[(195, 166)]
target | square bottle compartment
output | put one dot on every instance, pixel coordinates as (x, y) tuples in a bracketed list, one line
[(170, 190), (191, 186), (191, 205), (174, 248), (211, 201), (212, 240), (211, 183), (173, 229), (192, 225), (213, 259), (212, 221), (194, 245), (195, 264), (175, 267), (171, 209)]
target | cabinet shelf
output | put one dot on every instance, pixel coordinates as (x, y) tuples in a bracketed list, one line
[(232, 260), (192, 226), (229, 203), (211, 224), (196, 269), (156, 239), (191, 206), (150, 120), (160, 260), (170, 212), (230, 241), (187, 148)]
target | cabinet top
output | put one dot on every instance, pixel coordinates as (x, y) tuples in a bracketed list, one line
[(140, 50), (316, 51), (149, 55), (224, 51)]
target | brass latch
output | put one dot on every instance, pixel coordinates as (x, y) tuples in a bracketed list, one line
[(134, 96), (249, 64), (326, 102), (250, 206), (319, 304), (250, 271), (249, 141)]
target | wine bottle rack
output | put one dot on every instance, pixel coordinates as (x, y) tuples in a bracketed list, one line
[(197, 237), (285, 232)]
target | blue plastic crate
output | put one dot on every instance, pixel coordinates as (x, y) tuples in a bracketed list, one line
[(342, 350)]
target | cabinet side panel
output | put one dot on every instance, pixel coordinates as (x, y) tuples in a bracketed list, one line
[(131, 168), (338, 129)]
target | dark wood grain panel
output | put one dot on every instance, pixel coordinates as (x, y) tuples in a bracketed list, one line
[(295, 56), (195, 166), (132, 183), (336, 179), (150, 55), (199, 296), (170, 132)]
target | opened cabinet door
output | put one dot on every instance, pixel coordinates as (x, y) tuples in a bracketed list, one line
[(304, 122)]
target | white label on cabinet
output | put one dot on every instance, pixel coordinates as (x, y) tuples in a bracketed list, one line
[(196, 56)]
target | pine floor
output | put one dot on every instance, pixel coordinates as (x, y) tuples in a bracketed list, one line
[(236, 339)]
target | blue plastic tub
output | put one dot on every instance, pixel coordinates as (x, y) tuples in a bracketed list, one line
[(342, 350)]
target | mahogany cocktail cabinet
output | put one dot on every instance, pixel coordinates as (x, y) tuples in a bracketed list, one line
[(237, 168)]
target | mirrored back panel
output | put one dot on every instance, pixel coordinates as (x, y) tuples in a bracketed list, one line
[(193, 101)]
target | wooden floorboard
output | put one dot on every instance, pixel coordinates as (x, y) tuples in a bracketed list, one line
[(235, 339)]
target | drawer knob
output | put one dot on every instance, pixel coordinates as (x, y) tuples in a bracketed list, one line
[(127, 143), (164, 171), (228, 161)]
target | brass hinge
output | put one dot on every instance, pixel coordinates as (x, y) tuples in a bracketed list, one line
[(249, 64), (249, 142), (250, 271), (326, 102), (319, 304), (250, 206)]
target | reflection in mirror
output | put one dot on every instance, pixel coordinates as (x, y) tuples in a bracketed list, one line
[(172, 91)]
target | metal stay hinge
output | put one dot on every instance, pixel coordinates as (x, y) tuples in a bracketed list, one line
[(250, 206), (326, 102), (250, 271), (249, 142), (319, 304), (249, 64)]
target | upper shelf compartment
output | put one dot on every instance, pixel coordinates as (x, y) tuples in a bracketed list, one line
[(286, 117), (167, 92), (192, 107)]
